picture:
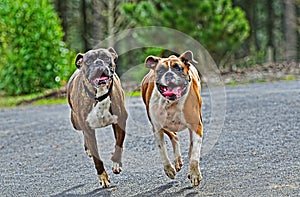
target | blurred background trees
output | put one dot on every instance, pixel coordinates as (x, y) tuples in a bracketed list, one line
[(234, 31), (237, 33), (274, 34), (217, 25)]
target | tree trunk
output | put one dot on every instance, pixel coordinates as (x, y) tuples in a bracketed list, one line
[(290, 29), (97, 22), (111, 19), (249, 7), (270, 26), (85, 26), (62, 8)]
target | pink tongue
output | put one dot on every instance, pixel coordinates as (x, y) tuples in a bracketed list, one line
[(168, 93), (103, 78)]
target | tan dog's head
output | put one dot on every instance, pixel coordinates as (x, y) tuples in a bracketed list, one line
[(171, 74), (97, 66)]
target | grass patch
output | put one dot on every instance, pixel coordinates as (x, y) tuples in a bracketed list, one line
[(51, 101), (133, 94), (290, 78), (232, 83), (48, 97), (10, 101), (14, 101), (261, 80)]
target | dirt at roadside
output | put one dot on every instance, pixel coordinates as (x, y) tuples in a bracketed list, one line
[(266, 72)]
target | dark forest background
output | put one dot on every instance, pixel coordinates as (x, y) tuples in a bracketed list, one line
[(39, 39), (273, 33)]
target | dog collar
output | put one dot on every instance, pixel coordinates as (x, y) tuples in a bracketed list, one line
[(102, 97)]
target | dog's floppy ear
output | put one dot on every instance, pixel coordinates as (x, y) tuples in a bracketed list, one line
[(79, 60), (151, 61), (113, 53), (187, 57)]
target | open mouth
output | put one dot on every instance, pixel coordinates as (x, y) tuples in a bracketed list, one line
[(172, 91), (101, 81)]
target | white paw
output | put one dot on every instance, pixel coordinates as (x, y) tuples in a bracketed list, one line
[(170, 171), (195, 178), (178, 164), (116, 167), (104, 179), (194, 174)]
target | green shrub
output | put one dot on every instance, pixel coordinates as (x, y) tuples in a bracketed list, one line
[(32, 54)]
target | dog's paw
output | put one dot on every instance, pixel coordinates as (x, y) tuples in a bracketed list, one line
[(117, 167), (195, 174), (178, 163), (170, 171), (195, 178), (104, 180)]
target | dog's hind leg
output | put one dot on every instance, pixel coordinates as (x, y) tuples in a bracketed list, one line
[(176, 148), (91, 145), (117, 155), (168, 167)]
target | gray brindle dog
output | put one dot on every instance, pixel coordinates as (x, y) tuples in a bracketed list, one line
[(96, 99)]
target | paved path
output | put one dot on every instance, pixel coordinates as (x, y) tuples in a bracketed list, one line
[(257, 153)]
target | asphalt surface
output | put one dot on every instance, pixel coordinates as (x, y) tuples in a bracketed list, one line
[(257, 152)]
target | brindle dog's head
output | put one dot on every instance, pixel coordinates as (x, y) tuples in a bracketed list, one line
[(171, 74), (97, 66)]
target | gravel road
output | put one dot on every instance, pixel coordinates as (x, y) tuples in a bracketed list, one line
[(257, 153)]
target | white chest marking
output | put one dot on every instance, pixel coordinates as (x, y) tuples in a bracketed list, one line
[(164, 115), (100, 115)]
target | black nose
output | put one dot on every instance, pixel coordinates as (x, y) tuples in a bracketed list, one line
[(169, 77), (99, 62)]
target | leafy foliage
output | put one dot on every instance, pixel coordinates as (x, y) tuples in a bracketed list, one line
[(32, 54), (217, 25)]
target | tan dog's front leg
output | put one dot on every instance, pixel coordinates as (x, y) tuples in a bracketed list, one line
[(168, 167), (176, 149), (194, 158)]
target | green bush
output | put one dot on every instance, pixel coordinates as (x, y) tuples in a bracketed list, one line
[(32, 54)]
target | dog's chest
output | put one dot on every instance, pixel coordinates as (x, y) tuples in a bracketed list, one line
[(100, 115), (167, 114)]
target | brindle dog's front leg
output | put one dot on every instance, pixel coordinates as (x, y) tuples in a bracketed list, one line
[(117, 155), (91, 147)]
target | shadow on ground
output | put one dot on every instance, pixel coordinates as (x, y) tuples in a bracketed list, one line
[(186, 191), (71, 192)]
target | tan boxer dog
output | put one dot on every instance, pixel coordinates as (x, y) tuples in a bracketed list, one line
[(96, 100), (171, 93)]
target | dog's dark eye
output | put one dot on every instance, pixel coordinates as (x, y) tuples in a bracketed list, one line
[(161, 70), (177, 67), (106, 59), (88, 61)]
